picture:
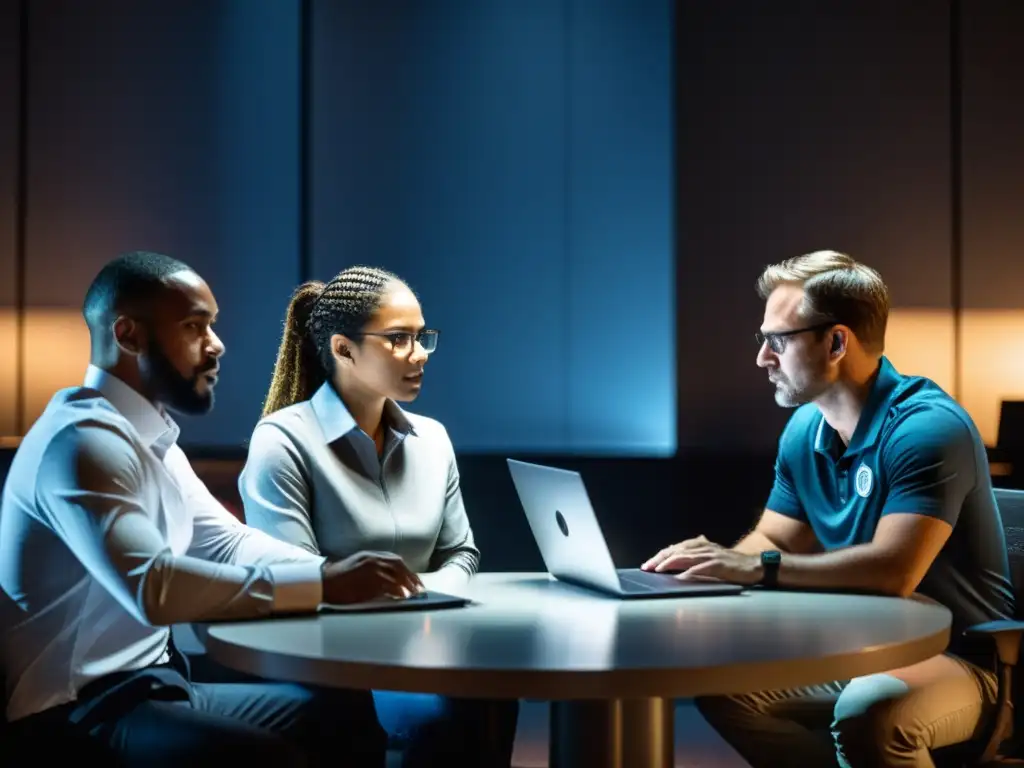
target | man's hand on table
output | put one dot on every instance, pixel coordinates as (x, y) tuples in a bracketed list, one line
[(368, 576), (701, 560)]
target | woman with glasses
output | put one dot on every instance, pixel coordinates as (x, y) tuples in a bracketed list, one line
[(337, 466)]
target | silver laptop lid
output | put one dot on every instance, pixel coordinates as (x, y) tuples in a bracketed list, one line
[(564, 524)]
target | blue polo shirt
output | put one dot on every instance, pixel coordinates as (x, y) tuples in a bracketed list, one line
[(914, 450)]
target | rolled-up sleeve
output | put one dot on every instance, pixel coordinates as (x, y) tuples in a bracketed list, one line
[(92, 494), (217, 535)]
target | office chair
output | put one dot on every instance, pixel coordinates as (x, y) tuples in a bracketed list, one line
[(1003, 741)]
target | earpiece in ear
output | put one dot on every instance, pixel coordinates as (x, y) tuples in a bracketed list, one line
[(837, 343)]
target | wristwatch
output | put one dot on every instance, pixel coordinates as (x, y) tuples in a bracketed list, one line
[(770, 561)]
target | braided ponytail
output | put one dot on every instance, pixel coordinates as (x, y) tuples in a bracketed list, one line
[(297, 371), (315, 314)]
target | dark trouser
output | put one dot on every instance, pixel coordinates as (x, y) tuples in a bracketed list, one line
[(161, 718), (202, 715), (279, 723), (434, 730), (428, 730)]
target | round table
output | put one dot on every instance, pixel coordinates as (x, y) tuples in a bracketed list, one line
[(610, 667)]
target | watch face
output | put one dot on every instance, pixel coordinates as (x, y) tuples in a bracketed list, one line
[(771, 558)]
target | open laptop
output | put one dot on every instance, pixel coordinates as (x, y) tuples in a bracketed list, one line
[(572, 545)]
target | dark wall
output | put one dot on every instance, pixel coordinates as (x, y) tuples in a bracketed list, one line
[(889, 130), (167, 126), (992, 124), (993, 155), (802, 125), (513, 162), (10, 95)]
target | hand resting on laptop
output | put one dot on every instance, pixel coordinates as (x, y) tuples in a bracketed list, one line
[(367, 576)]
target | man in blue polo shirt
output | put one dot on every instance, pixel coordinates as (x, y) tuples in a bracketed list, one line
[(881, 484)]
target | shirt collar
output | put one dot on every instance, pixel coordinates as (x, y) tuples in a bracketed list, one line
[(157, 430), (872, 417), (336, 421)]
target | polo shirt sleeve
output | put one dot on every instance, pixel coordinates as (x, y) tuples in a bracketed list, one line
[(783, 497), (929, 465)]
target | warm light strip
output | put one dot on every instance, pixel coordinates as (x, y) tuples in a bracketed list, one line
[(918, 342), (992, 365), (8, 371)]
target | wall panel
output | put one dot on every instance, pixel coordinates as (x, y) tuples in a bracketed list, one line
[(10, 97), (439, 153), (621, 308), (993, 226), (485, 151), (168, 126), (804, 125)]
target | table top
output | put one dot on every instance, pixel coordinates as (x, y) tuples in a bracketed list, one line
[(529, 636)]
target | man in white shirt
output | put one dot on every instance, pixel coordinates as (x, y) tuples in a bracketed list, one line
[(107, 537)]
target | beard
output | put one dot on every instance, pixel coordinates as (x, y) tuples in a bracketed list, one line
[(790, 394), (177, 392), (787, 396)]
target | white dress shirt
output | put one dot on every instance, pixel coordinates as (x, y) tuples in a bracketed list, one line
[(313, 478), (107, 537)]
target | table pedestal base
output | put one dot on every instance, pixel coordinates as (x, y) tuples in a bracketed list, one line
[(617, 733)]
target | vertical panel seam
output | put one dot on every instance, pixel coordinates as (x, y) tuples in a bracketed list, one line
[(956, 189), (305, 139), (567, 226), (21, 221), (675, 255)]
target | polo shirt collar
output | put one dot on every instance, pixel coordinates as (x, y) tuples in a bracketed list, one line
[(336, 421), (872, 417)]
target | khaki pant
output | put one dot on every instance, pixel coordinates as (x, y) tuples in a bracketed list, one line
[(888, 720)]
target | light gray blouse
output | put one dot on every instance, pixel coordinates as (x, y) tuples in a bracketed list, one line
[(313, 478)]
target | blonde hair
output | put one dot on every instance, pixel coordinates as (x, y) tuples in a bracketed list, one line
[(836, 289), (297, 370)]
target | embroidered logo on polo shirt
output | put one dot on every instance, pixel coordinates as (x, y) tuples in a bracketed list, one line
[(863, 481)]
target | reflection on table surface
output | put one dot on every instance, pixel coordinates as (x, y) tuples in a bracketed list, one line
[(530, 622)]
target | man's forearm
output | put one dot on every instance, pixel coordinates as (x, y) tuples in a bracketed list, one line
[(754, 543), (862, 567), (180, 590)]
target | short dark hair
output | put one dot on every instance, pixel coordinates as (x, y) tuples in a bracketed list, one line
[(136, 277), (315, 314)]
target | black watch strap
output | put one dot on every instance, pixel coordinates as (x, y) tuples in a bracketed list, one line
[(770, 561)]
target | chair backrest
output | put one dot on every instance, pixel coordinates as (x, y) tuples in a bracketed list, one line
[(1011, 426), (1011, 509)]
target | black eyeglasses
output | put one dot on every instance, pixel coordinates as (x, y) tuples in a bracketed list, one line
[(402, 341), (776, 340)]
